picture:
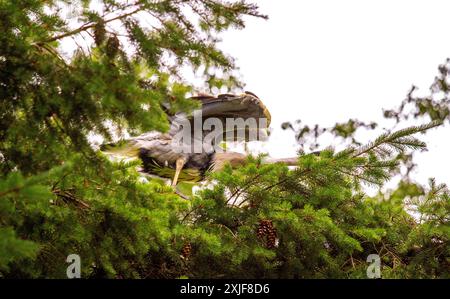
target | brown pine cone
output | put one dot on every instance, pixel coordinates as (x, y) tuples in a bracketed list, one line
[(266, 229), (186, 250), (99, 33)]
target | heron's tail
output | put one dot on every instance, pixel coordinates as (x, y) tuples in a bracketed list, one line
[(123, 148)]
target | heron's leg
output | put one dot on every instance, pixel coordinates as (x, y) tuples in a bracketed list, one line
[(179, 166)]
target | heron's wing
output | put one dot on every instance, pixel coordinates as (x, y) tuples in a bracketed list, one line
[(226, 107), (222, 108), (246, 105)]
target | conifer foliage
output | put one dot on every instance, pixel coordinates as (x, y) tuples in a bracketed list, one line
[(60, 196)]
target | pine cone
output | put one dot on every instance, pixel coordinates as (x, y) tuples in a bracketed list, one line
[(266, 229), (99, 33), (186, 250), (112, 46)]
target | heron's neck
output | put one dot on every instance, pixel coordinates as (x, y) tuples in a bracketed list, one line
[(288, 161)]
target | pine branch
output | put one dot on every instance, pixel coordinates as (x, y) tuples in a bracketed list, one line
[(13, 190), (398, 141), (88, 26), (69, 197)]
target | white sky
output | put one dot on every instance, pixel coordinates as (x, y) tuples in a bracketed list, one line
[(325, 61)]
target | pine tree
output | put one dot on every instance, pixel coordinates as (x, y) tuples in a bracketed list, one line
[(323, 224)]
